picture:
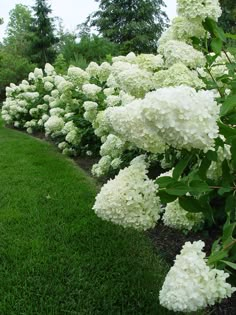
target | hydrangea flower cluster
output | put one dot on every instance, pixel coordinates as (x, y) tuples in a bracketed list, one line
[(191, 284), (176, 116), (178, 218), (129, 199), (175, 51), (199, 9)]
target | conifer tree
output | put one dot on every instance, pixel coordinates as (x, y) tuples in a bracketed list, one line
[(43, 38), (135, 25)]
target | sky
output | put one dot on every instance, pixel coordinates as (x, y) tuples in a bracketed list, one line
[(72, 12)]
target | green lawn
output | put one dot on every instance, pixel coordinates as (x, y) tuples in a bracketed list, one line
[(56, 256)]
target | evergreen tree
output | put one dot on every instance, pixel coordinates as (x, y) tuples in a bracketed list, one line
[(43, 39), (135, 25)]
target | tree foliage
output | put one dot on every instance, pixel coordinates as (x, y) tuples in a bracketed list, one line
[(18, 30), (228, 18), (136, 25), (43, 39)]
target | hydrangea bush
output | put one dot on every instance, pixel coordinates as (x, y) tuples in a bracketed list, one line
[(174, 111)]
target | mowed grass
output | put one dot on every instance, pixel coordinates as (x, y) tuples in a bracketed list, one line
[(56, 256)]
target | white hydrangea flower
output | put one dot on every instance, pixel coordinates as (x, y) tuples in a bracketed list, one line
[(104, 71), (55, 93), (113, 146), (130, 78), (90, 110), (125, 98), (68, 127), (64, 86), (48, 86), (150, 62), (199, 9), (56, 111), (109, 91), (129, 124), (112, 100), (129, 199), (17, 124), (38, 73), (115, 164), (31, 76), (62, 145), (72, 137), (78, 75), (102, 167), (184, 29), (175, 51), (49, 69), (178, 218), (93, 69), (176, 75), (91, 90), (101, 125), (54, 124), (178, 116), (29, 130), (43, 107), (191, 284)]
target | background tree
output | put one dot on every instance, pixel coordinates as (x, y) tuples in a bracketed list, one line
[(43, 39), (18, 30), (228, 17), (135, 25)]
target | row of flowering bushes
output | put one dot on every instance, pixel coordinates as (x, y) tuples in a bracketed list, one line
[(175, 111)]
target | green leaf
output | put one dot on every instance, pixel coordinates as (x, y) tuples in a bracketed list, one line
[(198, 186), (228, 106), (166, 198), (229, 263), (211, 26), (190, 204), (233, 151), (224, 190), (226, 130), (180, 167), (232, 36), (177, 189), (205, 164), (216, 45), (211, 155), (217, 256), (164, 181), (231, 119)]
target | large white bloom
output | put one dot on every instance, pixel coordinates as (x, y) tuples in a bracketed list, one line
[(175, 51), (178, 218), (190, 284), (130, 199), (113, 146), (199, 8), (91, 90), (178, 74), (178, 116), (129, 123), (130, 78), (53, 124), (184, 29)]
